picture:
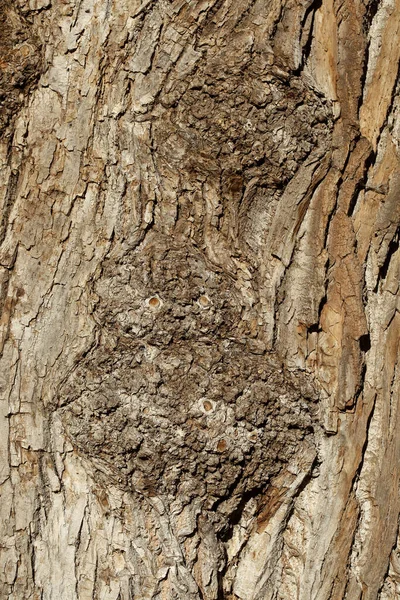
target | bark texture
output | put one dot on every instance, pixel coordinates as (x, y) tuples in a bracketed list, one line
[(199, 291)]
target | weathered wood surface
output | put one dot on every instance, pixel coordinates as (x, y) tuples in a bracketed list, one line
[(199, 272)]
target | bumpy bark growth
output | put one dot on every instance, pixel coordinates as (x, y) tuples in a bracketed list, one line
[(199, 271)]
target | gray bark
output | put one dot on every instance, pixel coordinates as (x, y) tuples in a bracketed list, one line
[(199, 271)]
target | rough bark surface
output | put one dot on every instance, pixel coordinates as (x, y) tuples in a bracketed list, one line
[(199, 291)]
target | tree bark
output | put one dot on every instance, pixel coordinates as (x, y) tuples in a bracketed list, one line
[(199, 271)]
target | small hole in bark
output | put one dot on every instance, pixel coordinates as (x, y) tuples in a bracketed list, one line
[(204, 301), (222, 445), (207, 406), (154, 302), (253, 436)]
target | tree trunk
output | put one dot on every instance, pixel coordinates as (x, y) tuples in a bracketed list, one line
[(199, 290)]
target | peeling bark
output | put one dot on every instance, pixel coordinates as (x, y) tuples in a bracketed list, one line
[(199, 270)]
